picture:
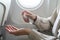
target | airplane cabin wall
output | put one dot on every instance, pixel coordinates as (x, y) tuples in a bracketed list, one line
[(15, 17)]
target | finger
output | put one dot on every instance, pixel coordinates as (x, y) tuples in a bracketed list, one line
[(30, 16), (11, 27), (23, 13), (26, 19), (8, 29), (14, 27), (26, 12)]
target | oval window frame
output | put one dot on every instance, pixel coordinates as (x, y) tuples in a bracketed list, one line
[(21, 6)]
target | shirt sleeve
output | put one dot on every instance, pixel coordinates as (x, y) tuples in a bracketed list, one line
[(42, 23), (35, 35)]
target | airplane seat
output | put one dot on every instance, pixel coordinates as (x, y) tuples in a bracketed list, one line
[(2, 13), (56, 24), (5, 6), (55, 31), (4, 9)]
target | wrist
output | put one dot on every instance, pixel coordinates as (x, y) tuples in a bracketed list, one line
[(35, 18)]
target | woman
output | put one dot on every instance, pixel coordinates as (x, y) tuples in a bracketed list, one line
[(43, 25)]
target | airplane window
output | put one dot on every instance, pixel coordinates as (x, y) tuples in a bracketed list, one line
[(29, 4)]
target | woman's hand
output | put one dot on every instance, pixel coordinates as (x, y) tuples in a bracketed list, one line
[(29, 15), (15, 31), (12, 29)]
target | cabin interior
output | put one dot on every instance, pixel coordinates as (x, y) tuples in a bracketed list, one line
[(10, 14)]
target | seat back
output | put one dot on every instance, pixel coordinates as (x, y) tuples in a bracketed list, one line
[(4, 9), (7, 4), (56, 24), (2, 13)]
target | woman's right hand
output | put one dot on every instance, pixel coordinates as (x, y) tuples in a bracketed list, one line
[(29, 15)]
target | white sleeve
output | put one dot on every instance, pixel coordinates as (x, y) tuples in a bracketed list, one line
[(35, 35), (42, 23)]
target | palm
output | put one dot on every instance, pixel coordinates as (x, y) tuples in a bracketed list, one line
[(12, 29)]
